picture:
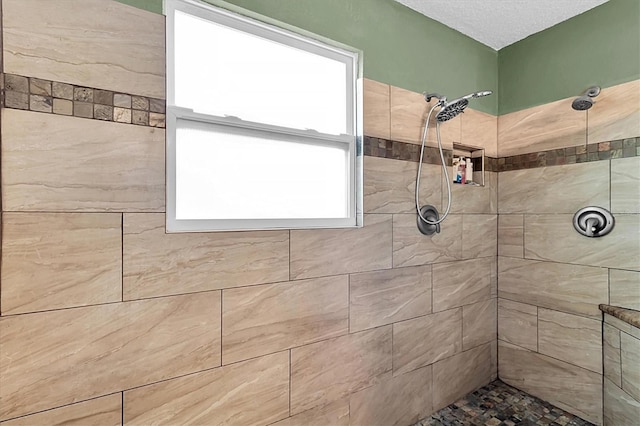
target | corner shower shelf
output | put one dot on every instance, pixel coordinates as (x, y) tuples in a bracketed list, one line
[(477, 159)]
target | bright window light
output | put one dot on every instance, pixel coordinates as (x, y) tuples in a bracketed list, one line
[(273, 84), (263, 125), (285, 178)]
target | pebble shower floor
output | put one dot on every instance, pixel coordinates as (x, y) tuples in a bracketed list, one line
[(499, 404)]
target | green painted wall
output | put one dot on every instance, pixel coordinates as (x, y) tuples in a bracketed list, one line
[(401, 47), (600, 47), (152, 5), (406, 49)]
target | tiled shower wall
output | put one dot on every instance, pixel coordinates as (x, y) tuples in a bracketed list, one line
[(621, 353), (551, 279), (105, 318)]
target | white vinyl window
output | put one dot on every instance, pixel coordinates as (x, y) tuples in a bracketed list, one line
[(263, 125)]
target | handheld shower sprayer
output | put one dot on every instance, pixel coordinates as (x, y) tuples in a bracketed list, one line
[(428, 218), (451, 109), (479, 94)]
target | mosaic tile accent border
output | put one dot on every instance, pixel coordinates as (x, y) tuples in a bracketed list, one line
[(384, 148), (577, 154), (54, 97), (623, 148)]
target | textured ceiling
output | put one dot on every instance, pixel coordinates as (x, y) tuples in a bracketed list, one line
[(499, 23)]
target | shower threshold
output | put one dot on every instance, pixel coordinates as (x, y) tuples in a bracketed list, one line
[(498, 404)]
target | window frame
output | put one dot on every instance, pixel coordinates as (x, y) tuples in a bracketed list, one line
[(271, 30)]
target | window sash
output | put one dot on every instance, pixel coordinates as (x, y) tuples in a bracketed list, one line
[(351, 141), (257, 28)]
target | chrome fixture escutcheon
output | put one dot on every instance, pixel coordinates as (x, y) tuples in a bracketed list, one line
[(593, 221), (431, 214)]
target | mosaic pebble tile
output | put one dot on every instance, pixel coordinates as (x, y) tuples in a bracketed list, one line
[(498, 404)]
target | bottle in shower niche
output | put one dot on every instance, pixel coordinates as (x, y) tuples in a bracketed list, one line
[(469, 171), (463, 171), (457, 177)]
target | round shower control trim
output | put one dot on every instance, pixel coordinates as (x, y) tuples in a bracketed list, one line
[(593, 221)]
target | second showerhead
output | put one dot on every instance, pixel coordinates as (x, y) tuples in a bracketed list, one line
[(584, 102)]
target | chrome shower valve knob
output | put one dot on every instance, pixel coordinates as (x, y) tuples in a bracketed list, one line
[(593, 221)]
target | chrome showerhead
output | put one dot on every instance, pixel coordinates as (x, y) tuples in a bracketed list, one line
[(584, 102), (452, 109)]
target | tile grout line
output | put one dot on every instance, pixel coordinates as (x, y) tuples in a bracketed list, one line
[(290, 351), (392, 222), (349, 303), (289, 256), (63, 405), (537, 329), (221, 323), (549, 356), (122, 257), (161, 296), (608, 286)]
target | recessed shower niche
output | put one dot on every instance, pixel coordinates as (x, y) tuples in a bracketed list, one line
[(468, 165)]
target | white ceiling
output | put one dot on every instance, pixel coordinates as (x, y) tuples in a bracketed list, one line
[(499, 23)]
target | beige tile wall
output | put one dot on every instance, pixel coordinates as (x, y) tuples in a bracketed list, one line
[(621, 349), (400, 115), (81, 165), (377, 117), (615, 115), (551, 279), (77, 255), (106, 410), (565, 385), (544, 127), (104, 44), (104, 316), (103, 294)]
